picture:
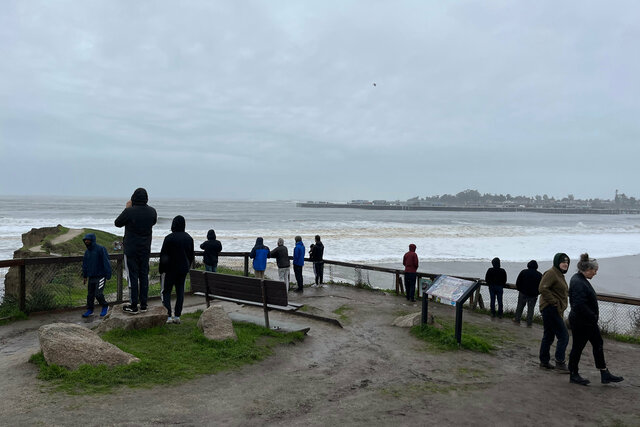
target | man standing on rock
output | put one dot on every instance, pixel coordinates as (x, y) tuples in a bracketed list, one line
[(137, 218)]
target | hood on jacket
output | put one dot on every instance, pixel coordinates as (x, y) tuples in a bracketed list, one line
[(412, 248), (533, 264), (139, 197), (211, 235), (259, 243), (91, 237), (178, 223), (496, 262), (559, 258)]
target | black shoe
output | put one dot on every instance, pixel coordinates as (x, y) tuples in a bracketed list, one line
[(143, 309), (577, 379), (607, 377), (546, 365), (131, 309)]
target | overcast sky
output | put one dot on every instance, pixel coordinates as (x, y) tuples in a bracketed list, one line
[(319, 100)]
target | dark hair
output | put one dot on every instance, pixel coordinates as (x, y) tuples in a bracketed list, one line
[(587, 263), (317, 237)]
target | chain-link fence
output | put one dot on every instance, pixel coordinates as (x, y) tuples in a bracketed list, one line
[(53, 284)]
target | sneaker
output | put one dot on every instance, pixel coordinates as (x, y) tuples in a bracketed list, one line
[(131, 309), (546, 365), (176, 320), (104, 311), (169, 320), (561, 368), (607, 377), (143, 309), (577, 379), (87, 313)]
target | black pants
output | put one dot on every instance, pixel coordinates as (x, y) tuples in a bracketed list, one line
[(138, 268), (95, 290), (410, 284), (169, 280), (318, 270), (582, 334), (297, 270)]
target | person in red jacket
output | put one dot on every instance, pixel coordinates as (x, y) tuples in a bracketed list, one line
[(410, 262)]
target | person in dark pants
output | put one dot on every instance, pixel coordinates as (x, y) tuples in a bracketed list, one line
[(212, 249), (527, 283), (298, 262), (496, 278), (554, 295), (583, 319), (96, 268), (138, 219), (259, 254), (316, 254), (176, 257), (410, 262)]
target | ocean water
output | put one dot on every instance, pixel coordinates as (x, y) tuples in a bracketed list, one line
[(352, 235)]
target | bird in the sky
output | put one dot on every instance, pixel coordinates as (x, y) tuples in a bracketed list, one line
[(374, 85)]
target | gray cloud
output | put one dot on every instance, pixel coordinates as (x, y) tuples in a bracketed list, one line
[(276, 100)]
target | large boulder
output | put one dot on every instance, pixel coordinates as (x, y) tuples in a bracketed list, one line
[(71, 345), (408, 321), (118, 319), (215, 324)]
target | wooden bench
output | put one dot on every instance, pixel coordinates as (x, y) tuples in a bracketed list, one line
[(245, 290)]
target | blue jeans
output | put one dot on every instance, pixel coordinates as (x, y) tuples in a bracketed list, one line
[(496, 291), (213, 268), (553, 327)]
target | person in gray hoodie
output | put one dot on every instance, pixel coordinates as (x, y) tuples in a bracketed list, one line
[(281, 254)]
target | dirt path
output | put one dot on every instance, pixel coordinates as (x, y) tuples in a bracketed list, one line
[(73, 232), (368, 373)]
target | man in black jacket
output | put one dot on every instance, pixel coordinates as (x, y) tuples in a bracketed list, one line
[(527, 283), (137, 218), (496, 278), (316, 253), (211, 248), (176, 257), (281, 254)]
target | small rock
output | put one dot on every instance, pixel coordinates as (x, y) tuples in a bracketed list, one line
[(71, 345), (408, 321), (118, 319), (215, 324)]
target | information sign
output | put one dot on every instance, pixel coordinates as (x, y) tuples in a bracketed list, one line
[(449, 290)]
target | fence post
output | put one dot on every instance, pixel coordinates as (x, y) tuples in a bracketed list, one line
[(246, 265), (397, 283), (22, 301), (119, 270)]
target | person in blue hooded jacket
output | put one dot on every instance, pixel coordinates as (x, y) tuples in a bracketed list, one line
[(259, 255), (298, 262), (96, 270)]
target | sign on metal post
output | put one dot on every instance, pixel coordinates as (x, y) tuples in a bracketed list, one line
[(451, 291)]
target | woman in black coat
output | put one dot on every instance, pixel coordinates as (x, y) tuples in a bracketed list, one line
[(583, 319)]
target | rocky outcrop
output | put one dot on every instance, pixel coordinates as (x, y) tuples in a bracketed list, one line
[(408, 321), (215, 324), (71, 345), (118, 319)]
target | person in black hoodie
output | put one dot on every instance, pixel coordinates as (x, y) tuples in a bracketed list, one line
[(316, 253), (527, 283), (211, 248), (583, 319), (176, 257), (496, 278), (137, 218)]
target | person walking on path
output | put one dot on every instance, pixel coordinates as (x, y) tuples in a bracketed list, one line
[(259, 255), (554, 294), (298, 262), (138, 219), (410, 262), (316, 254), (176, 257), (281, 254), (496, 278), (96, 269), (527, 283), (583, 319), (212, 249)]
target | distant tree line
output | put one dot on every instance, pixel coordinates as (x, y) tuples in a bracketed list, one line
[(473, 197)]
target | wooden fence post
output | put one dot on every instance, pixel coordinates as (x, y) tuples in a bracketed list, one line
[(119, 273), (246, 265), (22, 300)]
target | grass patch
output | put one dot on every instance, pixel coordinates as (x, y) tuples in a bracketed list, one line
[(622, 338), (168, 354), (341, 312), (76, 246), (474, 338)]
